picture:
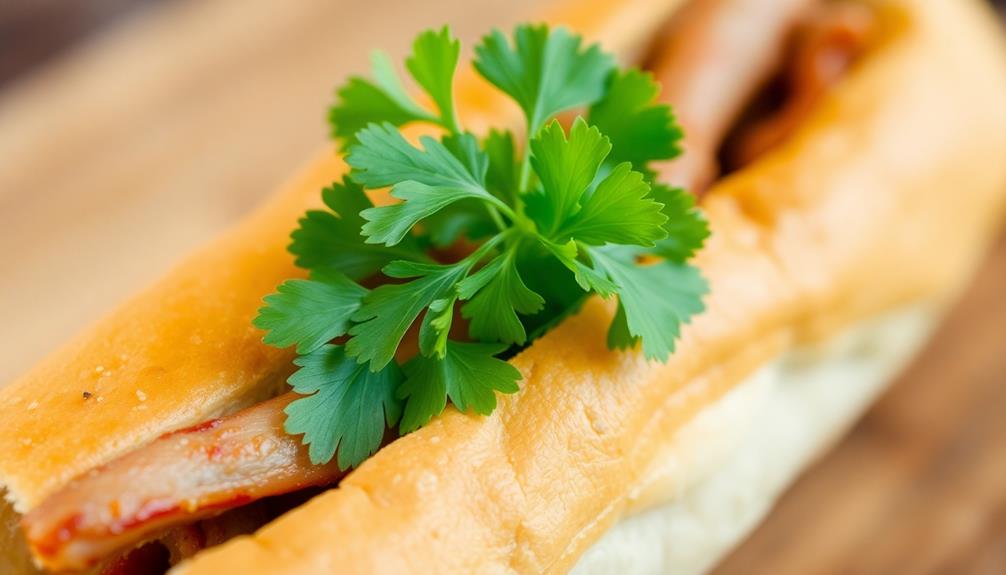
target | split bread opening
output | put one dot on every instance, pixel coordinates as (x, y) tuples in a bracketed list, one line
[(882, 199)]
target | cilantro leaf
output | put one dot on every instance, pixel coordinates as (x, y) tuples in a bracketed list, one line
[(465, 148), (383, 158), (389, 310), (468, 373), (360, 103), (640, 129), (545, 71), (466, 217), (547, 276), (311, 312), (618, 211), (686, 229), (657, 299), (389, 224), (558, 215), (432, 63), (347, 407), (388, 81), (586, 276), (332, 240), (502, 176), (619, 336), (427, 179), (566, 168), (436, 327), (497, 294)]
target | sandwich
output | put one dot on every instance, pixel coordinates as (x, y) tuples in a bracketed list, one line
[(635, 271)]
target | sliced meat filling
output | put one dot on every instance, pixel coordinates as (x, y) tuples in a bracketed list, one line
[(179, 478)]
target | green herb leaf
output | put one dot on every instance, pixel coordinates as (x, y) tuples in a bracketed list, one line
[(310, 313), (389, 310), (347, 406), (360, 103), (497, 295), (619, 336), (640, 130), (503, 174), (586, 276), (468, 373), (545, 71), (388, 81), (436, 327), (434, 58), (427, 179), (686, 229), (332, 240), (657, 299), (465, 148), (619, 211), (464, 218), (383, 158), (557, 216), (549, 277), (389, 224), (566, 168)]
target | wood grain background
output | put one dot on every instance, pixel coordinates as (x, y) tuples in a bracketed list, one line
[(119, 156)]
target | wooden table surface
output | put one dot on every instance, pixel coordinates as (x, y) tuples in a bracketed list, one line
[(120, 157)]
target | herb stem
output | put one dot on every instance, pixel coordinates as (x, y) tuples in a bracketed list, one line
[(525, 166), (495, 215), (474, 257), (449, 120), (496, 203)]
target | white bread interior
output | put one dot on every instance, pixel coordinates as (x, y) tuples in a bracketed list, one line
[(742, 452)]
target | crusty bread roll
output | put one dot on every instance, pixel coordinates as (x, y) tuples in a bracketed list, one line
[(884, 198)]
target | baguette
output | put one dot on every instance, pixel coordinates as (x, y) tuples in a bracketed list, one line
[(801, 251), (801, 248)]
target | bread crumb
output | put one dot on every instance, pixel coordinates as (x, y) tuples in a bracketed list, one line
[(140, 395), (99, 369), (99, 399), (33, 406)]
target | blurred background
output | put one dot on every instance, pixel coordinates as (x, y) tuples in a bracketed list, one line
[(131, 131)]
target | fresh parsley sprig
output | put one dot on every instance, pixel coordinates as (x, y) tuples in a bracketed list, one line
[(546, 219)]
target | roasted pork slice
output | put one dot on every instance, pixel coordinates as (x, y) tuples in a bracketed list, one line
[(181, 477)]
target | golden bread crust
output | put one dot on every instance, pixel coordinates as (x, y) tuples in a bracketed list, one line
[(181, 352)]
